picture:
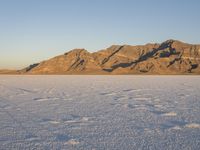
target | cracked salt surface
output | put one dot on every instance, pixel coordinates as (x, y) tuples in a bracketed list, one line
[(99, 112)]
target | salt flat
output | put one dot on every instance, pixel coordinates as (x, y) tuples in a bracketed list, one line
[(100, 112)]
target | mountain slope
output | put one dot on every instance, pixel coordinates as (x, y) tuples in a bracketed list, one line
[(75, 61), (169, 57)]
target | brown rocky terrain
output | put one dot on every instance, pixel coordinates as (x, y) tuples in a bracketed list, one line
[(169, 57)]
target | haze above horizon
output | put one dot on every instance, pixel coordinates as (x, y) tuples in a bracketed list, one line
[(32, 31)]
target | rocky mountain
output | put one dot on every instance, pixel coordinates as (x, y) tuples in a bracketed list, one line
[(169, 57)]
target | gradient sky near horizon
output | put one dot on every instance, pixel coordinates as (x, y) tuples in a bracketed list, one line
[(35, 30)]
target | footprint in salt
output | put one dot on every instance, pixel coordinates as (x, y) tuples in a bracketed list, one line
[(131, 90), (62, 137), (176, 128), (72, 142), (77, 119), (47, 120), (108, 93), (182, 96), (85, 119), (41, 99), (54, 122), (158, 106), (176, 124), (169, 114), (128, 106), (31, 137), (142, 98), (158, 112)]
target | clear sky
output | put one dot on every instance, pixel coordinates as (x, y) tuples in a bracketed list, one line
[(34, 30)]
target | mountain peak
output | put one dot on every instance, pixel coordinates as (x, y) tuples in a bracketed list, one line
[(172, 41), (76, 50)]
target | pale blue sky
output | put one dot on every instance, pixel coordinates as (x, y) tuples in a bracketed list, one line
[(34, 30)]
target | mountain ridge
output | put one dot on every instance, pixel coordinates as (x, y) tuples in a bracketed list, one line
[(168, 57)]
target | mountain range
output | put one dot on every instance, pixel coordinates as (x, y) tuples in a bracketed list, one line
[(169, 57)]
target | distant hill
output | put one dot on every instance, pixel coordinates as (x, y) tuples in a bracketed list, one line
[(169, 57), (5, 71)]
